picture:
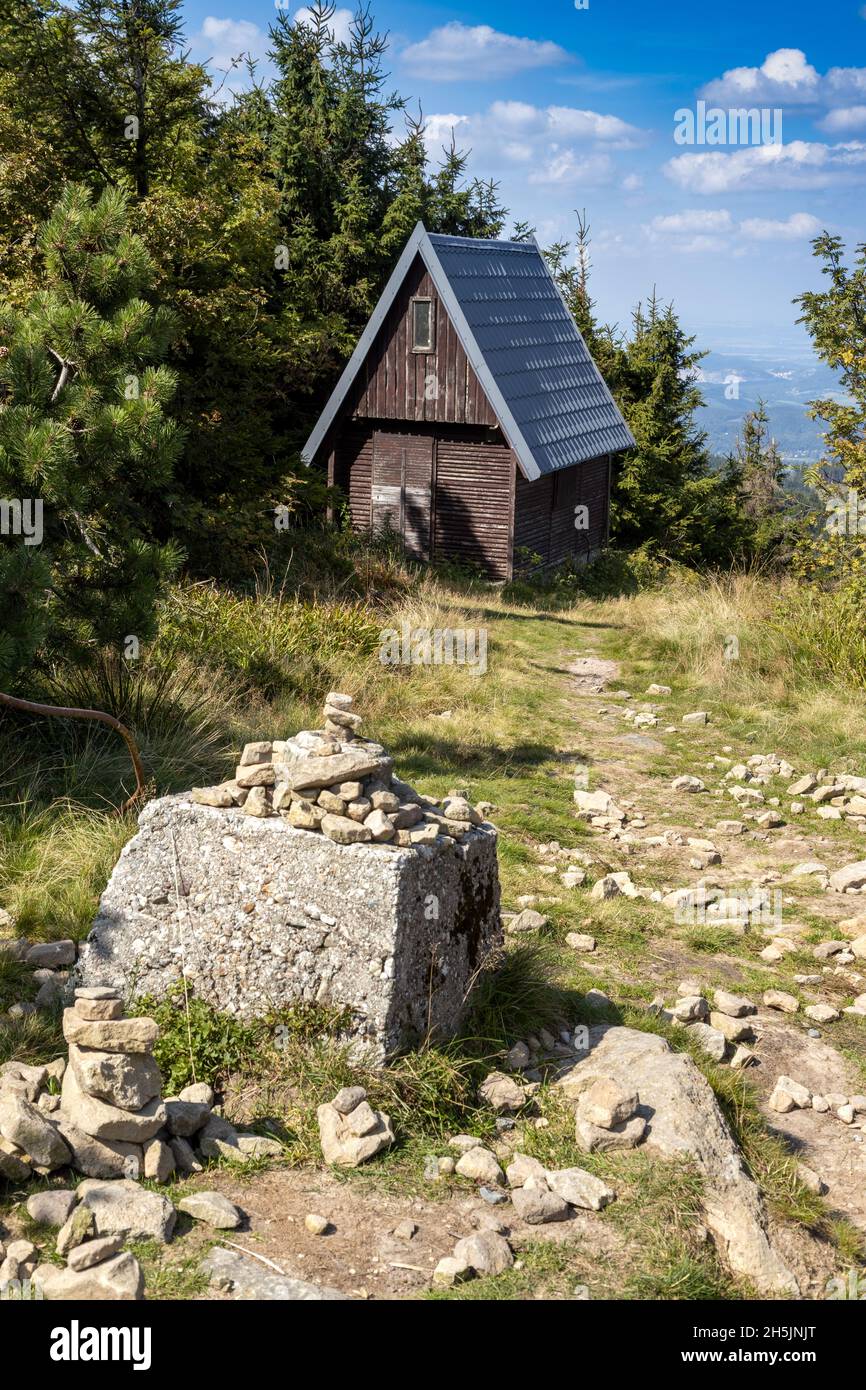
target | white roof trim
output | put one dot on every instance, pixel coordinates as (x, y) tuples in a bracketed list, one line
[(419, 244)]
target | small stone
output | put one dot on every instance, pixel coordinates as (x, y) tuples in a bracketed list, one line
[(198, 1094), (24, 1125), (212, 1209), (502, 1092), (527, 920), (480, 1165), (123, 1208), (451, 1271), (810, 1179), (344, 831), (76, 1228), (158, 1161), (698, 716), (53, 954), (606, 1104), (822, 1013), (485, 1253), (348, 1098), (581, 1189), (579, 941), (690, 1007), (52, 1208), (734, 1005), (93, 1252), (114, 1035), (778, 999), (593, 1139), (405, 1230), (212, 796), (522, 1167), (538, 1205), (518, 1057), (788, 1089), (98, 1010), (688, 784), (734, 1029), (316, 1225), (116, 1279)]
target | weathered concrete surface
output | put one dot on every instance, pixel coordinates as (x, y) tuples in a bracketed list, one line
[(270, 915)]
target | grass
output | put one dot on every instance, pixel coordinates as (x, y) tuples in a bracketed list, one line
[(255, 664)]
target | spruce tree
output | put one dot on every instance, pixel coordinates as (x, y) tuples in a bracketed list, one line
[(665, 495), (84, 433)]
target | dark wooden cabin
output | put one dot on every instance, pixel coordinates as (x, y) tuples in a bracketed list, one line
[(471, 417)]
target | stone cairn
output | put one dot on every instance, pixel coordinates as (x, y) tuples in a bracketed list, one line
[(332, 782), (110, 1123), (110, 1120)]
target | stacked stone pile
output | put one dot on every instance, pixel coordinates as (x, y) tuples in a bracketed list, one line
[(109, 1119), (332, 782)]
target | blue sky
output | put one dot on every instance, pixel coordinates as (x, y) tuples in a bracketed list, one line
[(576, 108)]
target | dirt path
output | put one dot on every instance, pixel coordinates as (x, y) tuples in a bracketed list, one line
[(637, 768)]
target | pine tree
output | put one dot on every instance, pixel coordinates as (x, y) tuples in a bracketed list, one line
[(83, 431)]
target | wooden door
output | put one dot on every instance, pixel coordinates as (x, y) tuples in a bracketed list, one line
[(402, 489)]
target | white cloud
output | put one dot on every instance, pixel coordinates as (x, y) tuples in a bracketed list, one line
[(477, 52), (843, 119), (800, 226), (551, 145), (800, 164), (785, 78), (632, 183), (696, 230), (224, 39), (783, 75), (693, 220), (564, 167)]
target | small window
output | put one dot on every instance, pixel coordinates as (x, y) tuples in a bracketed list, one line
[(422, 325)]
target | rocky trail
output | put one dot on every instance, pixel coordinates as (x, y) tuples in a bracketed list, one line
[(708, 910)]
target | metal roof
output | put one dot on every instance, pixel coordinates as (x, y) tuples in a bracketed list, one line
[(553, 405)]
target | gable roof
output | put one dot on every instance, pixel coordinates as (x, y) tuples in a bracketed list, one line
[(551, 401)]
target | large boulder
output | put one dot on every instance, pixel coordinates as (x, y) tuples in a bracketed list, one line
[(123, 1208), (851, 878), (684, 1121), (118, 1279), (285, 914)]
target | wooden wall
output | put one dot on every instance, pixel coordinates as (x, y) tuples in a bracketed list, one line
[(473, 483), (545, 514), (473, 504), (395, 382)]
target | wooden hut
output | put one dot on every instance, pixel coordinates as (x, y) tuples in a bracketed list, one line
[(471, 418)]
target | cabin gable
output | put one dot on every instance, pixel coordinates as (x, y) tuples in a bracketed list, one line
[(398, 382)]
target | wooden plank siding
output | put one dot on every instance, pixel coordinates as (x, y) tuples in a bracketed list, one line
[(396, 383), (544, 529), (472, 512)]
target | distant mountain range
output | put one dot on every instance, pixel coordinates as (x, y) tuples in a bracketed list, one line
[(786, 386)]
